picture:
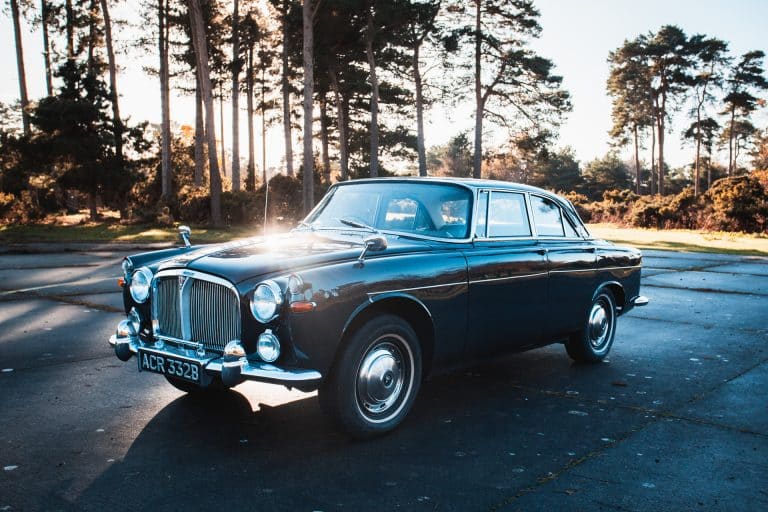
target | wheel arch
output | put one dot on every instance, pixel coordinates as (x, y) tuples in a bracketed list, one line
[(616, 289), (408, 307)]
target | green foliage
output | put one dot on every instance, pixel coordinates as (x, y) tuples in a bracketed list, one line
[(603, 174), (557, 171)]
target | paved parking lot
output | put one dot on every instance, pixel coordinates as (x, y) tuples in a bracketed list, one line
[(677, 419)]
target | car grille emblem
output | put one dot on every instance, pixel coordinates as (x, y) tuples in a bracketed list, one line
[(182, 280)]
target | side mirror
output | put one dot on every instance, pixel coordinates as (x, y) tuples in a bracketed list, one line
[(372, 243), (184, 234)]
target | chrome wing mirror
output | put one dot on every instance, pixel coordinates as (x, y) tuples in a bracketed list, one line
[(372, 243), (184, 234)]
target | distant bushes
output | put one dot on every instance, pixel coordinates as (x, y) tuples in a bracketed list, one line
[(731, 204)]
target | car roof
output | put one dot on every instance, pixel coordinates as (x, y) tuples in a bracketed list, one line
[(467, 182)]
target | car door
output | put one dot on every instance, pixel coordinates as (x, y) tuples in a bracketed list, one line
[(507, 272), (572, 261)]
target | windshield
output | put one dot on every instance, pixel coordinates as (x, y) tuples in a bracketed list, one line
[(427, 209)]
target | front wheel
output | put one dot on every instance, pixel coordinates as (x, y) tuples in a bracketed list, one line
[(375, 381), (593, 342)]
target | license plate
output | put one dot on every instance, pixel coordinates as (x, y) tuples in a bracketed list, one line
[(169, 365)]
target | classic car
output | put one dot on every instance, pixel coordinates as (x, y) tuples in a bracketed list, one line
[(385, 282)]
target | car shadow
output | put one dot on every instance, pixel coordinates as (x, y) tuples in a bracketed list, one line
[(472, 438)]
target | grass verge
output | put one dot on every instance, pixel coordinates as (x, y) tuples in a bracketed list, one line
[(114, 232), (672, 239), (684, 240)]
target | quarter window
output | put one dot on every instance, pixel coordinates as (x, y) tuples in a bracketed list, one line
[(548, 217), (507, 215)]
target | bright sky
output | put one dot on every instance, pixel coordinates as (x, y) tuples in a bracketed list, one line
[(577, 36)]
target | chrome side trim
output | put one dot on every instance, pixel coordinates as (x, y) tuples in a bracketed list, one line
[(506, 278), (417, 288), (593, 269)]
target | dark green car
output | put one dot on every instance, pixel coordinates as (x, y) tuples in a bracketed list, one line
[(385, 282)]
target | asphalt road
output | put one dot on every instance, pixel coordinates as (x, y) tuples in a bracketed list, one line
[(677, 419)]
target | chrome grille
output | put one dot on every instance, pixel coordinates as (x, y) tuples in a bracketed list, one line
[(214, 314), (169, 310), (198, 310)]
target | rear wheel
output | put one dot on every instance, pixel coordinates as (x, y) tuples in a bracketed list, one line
[(593, 342), (375, 381)]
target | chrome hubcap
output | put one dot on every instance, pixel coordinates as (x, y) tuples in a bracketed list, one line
[(599, 324), (381, 378)]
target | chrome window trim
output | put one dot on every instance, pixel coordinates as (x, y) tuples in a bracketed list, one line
[(186, 321)]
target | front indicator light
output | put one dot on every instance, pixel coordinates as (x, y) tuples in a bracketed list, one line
[(268, 347), (302, 306)]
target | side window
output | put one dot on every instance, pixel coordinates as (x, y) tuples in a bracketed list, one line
[(547, 216), (482, 210), (507, 215), (570, 232)]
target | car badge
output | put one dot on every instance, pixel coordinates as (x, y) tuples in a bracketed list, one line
[(182, 280), (200, 350)]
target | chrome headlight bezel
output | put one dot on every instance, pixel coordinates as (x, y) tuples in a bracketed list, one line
[(141, 284), (127, 267), (266, 300)]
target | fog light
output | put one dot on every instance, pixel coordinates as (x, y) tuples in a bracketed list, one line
[(268, 347)]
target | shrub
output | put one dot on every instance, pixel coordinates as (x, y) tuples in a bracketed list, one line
[(737, 204)]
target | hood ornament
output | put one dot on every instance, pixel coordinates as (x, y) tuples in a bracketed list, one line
[(184, 234)]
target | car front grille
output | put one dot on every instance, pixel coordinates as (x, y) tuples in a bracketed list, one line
[(197, 309)]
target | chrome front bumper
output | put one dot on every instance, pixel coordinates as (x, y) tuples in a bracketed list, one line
[(232, 372)]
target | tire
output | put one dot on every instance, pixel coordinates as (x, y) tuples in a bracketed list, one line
[(593, 342), (215, 386), (376, 378)]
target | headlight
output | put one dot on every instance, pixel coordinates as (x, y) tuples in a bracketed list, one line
[(266, 301), (140, 283)]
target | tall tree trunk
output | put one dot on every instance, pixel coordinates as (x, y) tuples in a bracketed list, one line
[(201, 55), (117, 126), (653, 156), (45, 13), (221, 125), (70, 29), (236, 96), (250, 180), (165, 124), (308, 62), (263, 125), (20, 67), (343, 158), (199, 134), (90, 63), (324, 122), (637, 159), (370, 34), (286, 95), (731, 138), (420, 147), (661, 134), (479, 106)]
